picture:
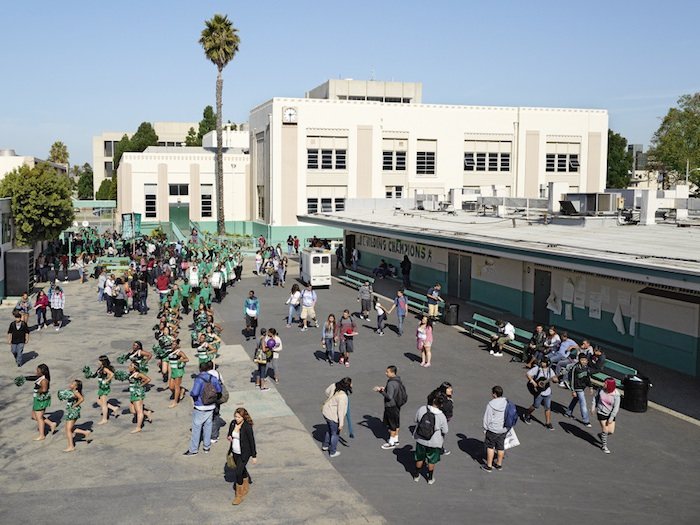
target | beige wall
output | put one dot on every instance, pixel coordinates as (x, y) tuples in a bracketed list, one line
[(289, 159), (364, 161), (594, 162), (163, 208), (532, 164), (196, 194)]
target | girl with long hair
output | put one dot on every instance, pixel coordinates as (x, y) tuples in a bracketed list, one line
[(73, 398), (176, 362), (242, 439), (329, 337), (42, 401), (424, 340), (137, 394), (607, 403), (105, 374)]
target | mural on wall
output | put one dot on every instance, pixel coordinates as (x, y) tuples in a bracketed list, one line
[(396, 248)]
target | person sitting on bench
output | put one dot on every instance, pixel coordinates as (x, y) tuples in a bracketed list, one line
[(596, 360), (382, 270), (506, 333), (534, 346)]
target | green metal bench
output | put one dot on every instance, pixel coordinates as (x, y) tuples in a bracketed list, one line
[(613, 366), (355, 279), (419, 302)]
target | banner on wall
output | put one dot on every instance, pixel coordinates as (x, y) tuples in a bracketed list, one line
[(397, 248)]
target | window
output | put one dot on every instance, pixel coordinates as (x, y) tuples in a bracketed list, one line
[(207, 190), (563, 157), (312, 159), (340, 204), (469, 162), (178, 190), (109, 169), (549, 167), (150, 191), (389, 193), (505, 161), (398, 192), (481, 162), (160, 143), (493, 161), (387, 160), (561, 162), (425, 157), (326, 205), (400, 161), (261, 203), (326, 159), (109, 148), (393, 192), (6, 228), (573, 163), (340, 159), (312, 205)]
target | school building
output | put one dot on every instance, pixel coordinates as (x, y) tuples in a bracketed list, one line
[(634, 288)]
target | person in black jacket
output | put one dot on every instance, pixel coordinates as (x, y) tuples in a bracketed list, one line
[(447, 407), (579, 379), (240, 434)]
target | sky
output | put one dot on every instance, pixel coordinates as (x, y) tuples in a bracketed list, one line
[(73, 69)]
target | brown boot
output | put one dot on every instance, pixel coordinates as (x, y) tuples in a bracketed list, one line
[(239, 495), (245, 487)]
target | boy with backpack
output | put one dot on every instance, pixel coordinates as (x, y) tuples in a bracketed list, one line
[(500, 416), (205, 392), (395, 397), (430, 431)]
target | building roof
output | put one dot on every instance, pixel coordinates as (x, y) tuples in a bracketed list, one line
[(659, 250)]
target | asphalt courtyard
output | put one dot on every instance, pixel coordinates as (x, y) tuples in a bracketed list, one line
[(561, 475), (652, 474)]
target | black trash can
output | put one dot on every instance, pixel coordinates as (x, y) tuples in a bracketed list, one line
[(636, 393), (452, 314)]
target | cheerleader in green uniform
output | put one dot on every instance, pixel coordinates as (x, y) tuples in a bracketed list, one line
[(42, 401), (137, 394), (73, 398), (140, 356), (185, 290), (165, 342), (105, 374), (205, 293), (205, 351), (176, 360)]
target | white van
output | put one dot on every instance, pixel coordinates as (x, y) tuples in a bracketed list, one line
[(315, 266)]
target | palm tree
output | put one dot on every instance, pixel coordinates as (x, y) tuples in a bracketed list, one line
[(220, 42)]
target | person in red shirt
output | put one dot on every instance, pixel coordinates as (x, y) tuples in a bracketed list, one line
[(64, 265), (163, 285)]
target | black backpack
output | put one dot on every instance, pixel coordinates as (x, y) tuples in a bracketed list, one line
[(401, 397), (426, 425), (209, 395)]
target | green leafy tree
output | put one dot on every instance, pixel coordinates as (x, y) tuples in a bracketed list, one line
[(145, 136), (220, 42), (85, 178), (41, 204), (59, 153), (207, 124), (676, 144), (192, 139), (619, 161), (104, 192)]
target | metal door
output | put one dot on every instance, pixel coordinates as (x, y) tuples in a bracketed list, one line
[(459, 275), (180, 216), (348, 248), (543, 286)]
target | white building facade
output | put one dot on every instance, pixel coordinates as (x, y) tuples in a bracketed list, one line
[(170, 134), (9, 160), (367, 139)]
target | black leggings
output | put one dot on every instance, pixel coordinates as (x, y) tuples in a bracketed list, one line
[(241, 471)]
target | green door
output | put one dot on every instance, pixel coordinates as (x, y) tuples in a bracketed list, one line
[(180, 216)]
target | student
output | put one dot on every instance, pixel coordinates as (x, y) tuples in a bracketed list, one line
[(42, 401), (579, 378), (434, 300), (242, 439), (381, 315), (401, 306), (17, 337), (334, 411), (364, 297), (394, 399), (431, 428), (203, 411), (105, 375), (424, 340), (506, 333), (73, 398), (329, 338), (347, 330), (607, 404), (261, 358), (276, 349), (308, 307), (495, 430), (539, 378), (294, 302), (251, 311)]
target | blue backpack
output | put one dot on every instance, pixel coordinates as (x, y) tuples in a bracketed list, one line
[(511, 415)]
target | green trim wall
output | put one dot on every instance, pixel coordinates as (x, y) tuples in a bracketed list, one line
[(499, 296), (680, 352)]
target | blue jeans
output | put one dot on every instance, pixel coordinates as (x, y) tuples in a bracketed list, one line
[(401, 318), (100, 295), (201, 420), (17, 349), (348, 418), (329, 344), (580, 398), (330, 440), (40, 317), (292, 310)]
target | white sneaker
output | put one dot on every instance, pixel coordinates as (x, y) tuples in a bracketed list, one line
[(335, 454), (498, 354), (491, 352), (324, 448), (389, 446)]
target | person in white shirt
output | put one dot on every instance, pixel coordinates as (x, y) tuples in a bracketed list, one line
[(506, 333)]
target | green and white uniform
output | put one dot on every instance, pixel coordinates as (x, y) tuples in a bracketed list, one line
[(137, 391), (72, 412), (103, 385), (177, 367), (42, 401)]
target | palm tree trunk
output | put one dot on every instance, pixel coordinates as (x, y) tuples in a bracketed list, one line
[(219, 169)]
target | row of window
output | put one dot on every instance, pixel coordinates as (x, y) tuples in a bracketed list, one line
[(562, 163), (312, 205), (151, 198), (487, 162), (331, 159)]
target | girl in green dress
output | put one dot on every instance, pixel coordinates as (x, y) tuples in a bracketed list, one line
[(140, 356), (165, 342), (105, 374), (73, 398), (42, 401), (137, 394), (205, 293), (176, 360), (205, 351)]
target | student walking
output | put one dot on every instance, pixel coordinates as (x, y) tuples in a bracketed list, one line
[(205, 391), (579, 378), (42, 401), (539, 379), (364, 297), (424, 340), (381, 315), (105, 375), (347, 330), (262, 357), (401, 307), (276, 349), (58, 302), (242, 450), (17, 337), (294, 302), (308, 307), (40, 305), (394, 394), (334, 411), (329, 338), (251, 311), (431, 428), (607, 405), (495, 430), (73, 398)]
